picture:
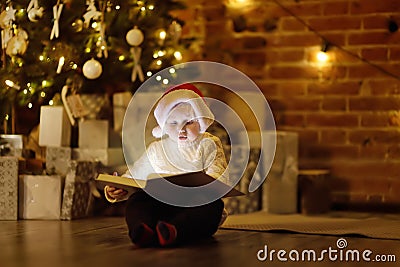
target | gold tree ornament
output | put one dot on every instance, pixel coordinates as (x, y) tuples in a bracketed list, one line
[(35, 12), (18, 44), (57, 9), (134, 37)]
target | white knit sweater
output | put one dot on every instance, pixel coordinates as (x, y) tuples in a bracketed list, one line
[(166, 156)]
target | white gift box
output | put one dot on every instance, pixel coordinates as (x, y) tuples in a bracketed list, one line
[(40, 197), (55, 127), (8, 188), (107, 157), (93, 134), (280, 187), (120, 103)]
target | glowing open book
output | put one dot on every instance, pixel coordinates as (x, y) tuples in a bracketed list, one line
[(191, 179)]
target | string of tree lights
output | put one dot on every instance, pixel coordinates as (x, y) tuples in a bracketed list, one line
[(99, 45)]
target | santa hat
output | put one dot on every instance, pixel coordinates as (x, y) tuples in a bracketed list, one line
[(184, 93)]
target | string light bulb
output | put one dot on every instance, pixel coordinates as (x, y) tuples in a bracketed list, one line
[(322, 55), (11, 84)]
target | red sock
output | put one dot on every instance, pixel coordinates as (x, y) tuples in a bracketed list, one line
[(143, 235), (166, 233)]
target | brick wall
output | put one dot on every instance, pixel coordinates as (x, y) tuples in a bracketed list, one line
[(347, 112)]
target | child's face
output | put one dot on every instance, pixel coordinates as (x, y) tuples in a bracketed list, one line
[(181, 124)]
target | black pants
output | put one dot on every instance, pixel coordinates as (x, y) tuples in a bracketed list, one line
[(191, 222)]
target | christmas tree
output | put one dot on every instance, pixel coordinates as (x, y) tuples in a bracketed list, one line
[(98, 46)]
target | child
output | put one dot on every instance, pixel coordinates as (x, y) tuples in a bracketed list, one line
[(183, 118)]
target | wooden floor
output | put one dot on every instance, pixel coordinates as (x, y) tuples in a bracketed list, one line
[(103, 241)]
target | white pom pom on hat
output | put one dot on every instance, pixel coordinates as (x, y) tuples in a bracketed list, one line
[(184, 93)]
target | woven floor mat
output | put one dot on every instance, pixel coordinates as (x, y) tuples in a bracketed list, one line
[(336, 223)]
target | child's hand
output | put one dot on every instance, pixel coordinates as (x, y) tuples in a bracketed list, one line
[(116, 193)]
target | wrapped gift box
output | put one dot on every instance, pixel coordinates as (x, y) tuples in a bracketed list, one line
[(54, 128), (120, 103), (58, 160), (251, 202), (8, 188), (107, 157), (93, 134), (280, 188), (40, 197), (11, 145), (78, 191), (97, 105)]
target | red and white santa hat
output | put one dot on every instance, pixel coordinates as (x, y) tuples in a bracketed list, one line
[(183, 93)]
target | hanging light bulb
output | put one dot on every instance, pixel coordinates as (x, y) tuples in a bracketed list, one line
[(322, 57)]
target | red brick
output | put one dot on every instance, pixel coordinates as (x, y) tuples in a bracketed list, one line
[(335, 8), (330, 152), (375, 54), (335, 23), (289, 55), (333, 137), (373, 6), (362, 71), (332, 120), (300, 103), (269, 89), (215, 29), (374, 152), (294, 120), (253, 58), (253, 42), (305, 9), (349, 55), (293, 40), (290, 24), (385, 87), (375, 21), (360, 171), (374, 103), (393, 152), (335, 88), (373, 38), (307, 136), (334, 104), (335, 39), (394, 53), (372, 137), (293, 72), (292, 88), (332, 73), (394, 187), (375, 120)]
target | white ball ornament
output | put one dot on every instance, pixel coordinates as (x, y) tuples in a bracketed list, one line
[(134, 37), (92, 69)]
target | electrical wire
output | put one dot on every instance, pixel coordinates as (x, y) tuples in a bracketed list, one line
[(326, 40)]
